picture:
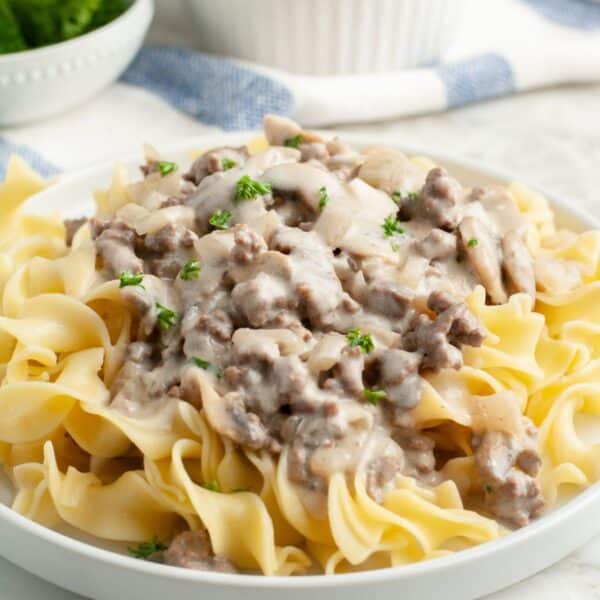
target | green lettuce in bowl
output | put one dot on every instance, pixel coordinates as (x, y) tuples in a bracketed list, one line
[(28, 24)]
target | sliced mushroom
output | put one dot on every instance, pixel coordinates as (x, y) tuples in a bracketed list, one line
[(228, 416), (437, 244), (144, 304), (303, 181), (481, 249), (280, 129), (390, 170), (218, 159), (517, 265)]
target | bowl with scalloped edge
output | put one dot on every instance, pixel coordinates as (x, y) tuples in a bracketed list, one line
[(38, 83), (104, 571)]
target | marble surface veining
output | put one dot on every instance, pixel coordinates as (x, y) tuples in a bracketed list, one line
[(550, 138)]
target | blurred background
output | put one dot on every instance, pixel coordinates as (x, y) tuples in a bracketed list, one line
[(548, 134), (512, 83)]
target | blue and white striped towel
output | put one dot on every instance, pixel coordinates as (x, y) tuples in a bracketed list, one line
[(169, 93)]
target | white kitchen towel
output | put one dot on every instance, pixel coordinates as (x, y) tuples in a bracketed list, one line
[(170, 92)]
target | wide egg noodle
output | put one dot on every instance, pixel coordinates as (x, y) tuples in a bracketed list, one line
[(126, 509), (239, 524)]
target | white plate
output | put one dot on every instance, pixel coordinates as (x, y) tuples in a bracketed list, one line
[(99, 573)]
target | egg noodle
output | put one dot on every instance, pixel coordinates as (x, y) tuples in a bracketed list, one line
[(73, 459)]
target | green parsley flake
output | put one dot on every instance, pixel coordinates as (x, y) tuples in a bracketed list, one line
[(473, 243), (166, 317), (165, 167), (356, 338), (212, 486), (220, 219), (391, 225), (373, 396), (204, 364), (146, 549), (294, 142), (398, 195), (395, 246), (227, 164), (248, 188), (323, 198), (191, 270), (487, 488), (127, 278)]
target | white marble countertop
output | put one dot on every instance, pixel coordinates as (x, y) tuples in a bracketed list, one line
[(550, 138)]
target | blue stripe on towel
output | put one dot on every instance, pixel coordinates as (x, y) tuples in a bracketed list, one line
[(213, 90), (33, 158), (579, 14), (475, 79)]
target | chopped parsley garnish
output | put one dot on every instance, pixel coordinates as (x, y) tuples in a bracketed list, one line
[(391, 225), (487, 488), (166, 317), (147, 549), (215, 486), (248, 188), (212, 486), (165, 167), (190, 270), (399, 194), (128, 278), (473, 243), (220, 219), (323, 198), (204, 364), (373, 396), (395, 246), (293, 142), (356, 338), (227, 164)]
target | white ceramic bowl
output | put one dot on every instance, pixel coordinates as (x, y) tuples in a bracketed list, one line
[(38, 83), (99, 573), (326, 37)]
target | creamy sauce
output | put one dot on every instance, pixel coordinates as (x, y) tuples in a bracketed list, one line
[(304, 320)]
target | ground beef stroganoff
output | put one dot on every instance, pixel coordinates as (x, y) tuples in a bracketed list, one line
[(315, 335), (310, 331)]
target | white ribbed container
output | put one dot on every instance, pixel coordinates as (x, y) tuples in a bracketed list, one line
[(326, 37)]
